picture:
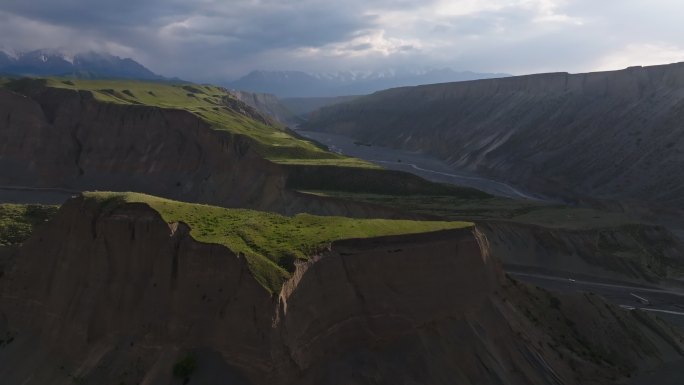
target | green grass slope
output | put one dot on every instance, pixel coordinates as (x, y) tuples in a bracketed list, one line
[(217, 107), (18, 221), (270, 242), (469, 206)]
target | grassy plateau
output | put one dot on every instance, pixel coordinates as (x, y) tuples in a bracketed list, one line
[(270, 242), (216, 106)]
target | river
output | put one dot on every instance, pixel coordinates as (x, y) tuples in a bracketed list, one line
[(419, 164)]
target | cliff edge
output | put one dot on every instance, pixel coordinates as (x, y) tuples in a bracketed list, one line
[(101, 294)]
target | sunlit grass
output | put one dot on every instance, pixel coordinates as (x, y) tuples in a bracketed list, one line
[(218, 108), (270, 242)]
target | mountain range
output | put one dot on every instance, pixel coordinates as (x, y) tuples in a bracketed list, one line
[(285, 84), (82, 65), (604, 135)]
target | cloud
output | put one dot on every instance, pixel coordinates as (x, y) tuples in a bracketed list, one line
[(643, 54), (217, 39)]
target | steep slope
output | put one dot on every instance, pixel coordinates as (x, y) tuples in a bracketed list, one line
[(214, 107), (608, 135), (17, 223), (101, 295), (267, 104), (560, 240), (302, 107), (272, 244), (634, 252), (131, 139), (61, 138)]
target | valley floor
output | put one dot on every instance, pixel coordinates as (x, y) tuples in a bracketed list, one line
[(424, 166)]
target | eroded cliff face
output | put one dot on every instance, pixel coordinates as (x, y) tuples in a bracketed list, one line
[(107, 288), (365, 293), (608, 135), (267, 104), (62, 138), (67, 139), (103, 295)]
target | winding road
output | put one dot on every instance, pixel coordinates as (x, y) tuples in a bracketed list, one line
[(668, 303)]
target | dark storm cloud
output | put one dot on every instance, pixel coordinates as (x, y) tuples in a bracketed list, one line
[(286, 27), (159, 27), (264, 23), (214, 39), (97, 13)]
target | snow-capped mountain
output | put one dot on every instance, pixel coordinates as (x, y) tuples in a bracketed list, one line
[(303, 84), (86, 65)]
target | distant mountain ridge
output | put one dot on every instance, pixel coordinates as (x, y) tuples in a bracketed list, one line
[(302, 84), (82, 65), (268, 104), (304, 106), (615, 136)]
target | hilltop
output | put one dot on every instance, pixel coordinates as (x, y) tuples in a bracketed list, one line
[(271, 243), (218, 107), (269, 105)]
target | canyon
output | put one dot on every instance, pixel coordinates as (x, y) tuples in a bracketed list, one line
[(112, 290), (613, 136)]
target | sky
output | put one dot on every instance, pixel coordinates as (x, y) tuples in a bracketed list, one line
[(205, 40)]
